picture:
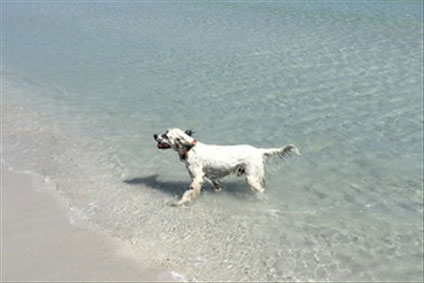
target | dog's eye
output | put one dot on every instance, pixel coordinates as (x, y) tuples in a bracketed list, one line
[(165, 136)]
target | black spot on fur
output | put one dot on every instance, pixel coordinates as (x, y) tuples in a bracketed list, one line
[(241, 171)]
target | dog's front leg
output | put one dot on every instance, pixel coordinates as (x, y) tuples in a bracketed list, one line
[(217, 186), (193, 192), (195, 188)]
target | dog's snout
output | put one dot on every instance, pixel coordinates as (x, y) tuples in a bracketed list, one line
[(155, 136)]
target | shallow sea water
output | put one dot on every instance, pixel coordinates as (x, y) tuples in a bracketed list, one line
[(85, 86)]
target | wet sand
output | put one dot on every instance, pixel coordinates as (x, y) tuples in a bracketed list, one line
[(40, 244)]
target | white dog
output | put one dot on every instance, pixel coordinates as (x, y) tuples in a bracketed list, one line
[(212, 162)]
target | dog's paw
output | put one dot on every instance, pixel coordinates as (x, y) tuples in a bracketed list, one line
[(261, 197), (180, 203)]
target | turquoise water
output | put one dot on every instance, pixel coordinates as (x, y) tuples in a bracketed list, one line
[(341, 80)]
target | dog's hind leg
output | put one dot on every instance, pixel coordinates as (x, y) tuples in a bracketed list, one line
[(254, 184), (255, 178)]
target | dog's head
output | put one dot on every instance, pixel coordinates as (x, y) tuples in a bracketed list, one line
[(174, 138)]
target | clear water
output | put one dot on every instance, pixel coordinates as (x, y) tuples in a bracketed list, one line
[(341, 80)]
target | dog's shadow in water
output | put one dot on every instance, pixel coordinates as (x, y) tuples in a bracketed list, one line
[(177, 188), (151, 181)]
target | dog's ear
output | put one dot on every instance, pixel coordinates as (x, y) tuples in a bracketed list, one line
[(188, 132), (178, 143)]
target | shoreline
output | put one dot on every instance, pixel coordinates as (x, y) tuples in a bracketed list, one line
[(54, 211), (39, 243)]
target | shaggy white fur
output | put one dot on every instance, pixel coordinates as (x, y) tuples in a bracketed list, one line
[(209, 163)]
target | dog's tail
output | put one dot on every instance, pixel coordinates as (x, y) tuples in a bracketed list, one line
[(281, 152)]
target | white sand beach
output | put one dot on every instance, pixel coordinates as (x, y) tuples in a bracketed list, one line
[(40, 244)]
